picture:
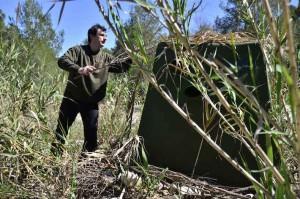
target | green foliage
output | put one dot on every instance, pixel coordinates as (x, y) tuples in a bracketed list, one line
[(36, 27), (25, 93), (282, 102), (235, 98), (35, 31), (151, 183), (2, 17), (27, 90), (143, 24), (232, 20), (113, 116), (237, 19)]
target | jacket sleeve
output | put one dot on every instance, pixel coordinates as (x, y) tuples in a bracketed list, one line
[(118, 66), (69, 59)]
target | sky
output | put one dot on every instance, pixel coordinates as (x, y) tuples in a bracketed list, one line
[(79, 15)]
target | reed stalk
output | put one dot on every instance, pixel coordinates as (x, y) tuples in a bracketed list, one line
[(171, 23), (173, 26), (179, 34), (293, 71)]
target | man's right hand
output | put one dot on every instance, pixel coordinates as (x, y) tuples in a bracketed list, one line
[(86, 70)]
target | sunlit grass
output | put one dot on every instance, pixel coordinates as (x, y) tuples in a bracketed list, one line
[(30, 98)]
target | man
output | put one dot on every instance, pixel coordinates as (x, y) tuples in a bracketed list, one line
[(88, 67)]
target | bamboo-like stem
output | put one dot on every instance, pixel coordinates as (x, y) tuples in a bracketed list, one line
[(30, 171), (257, 148), (130, 105), (239, 86), (173, 26), (287, 113), (249, 13), (208, 99), (116, 33), (273, 29), (203, 134), (269, 68), (293, 63), (222, 70), (293, 68), (185, 116), (222, 99)]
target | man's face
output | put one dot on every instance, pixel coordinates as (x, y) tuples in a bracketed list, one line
[(99, 38)]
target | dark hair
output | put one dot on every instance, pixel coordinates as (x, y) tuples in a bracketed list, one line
[(93, 30)]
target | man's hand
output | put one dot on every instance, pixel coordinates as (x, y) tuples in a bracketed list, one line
[(86, 70)]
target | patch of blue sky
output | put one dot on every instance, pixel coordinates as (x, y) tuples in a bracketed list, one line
[(79, 15)]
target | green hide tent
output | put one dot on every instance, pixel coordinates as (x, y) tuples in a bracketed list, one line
[(169, 140)]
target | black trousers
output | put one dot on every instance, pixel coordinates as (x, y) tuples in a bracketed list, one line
[(89, 113)]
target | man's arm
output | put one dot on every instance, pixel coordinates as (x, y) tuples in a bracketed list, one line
[(68, 60)]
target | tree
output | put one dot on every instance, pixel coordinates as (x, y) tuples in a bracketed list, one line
[(2, 17), (231, 21), (204, 26), (33, 30), (36, 28), (147, 27), (36, 31), (150, 28), (235, 20)]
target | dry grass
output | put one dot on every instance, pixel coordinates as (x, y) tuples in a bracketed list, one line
[(98, 177), (229, 38), (26, 126)]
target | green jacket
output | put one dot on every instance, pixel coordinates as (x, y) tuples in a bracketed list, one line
[(91, 88)]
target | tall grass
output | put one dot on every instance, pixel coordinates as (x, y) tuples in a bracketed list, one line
[(117, 110), (26, 93), (175, 16), (30, 94)]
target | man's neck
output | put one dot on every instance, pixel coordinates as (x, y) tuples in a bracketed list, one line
[(94, 48)]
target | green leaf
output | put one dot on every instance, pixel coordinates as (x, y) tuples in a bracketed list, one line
[(144, 158), (252, 73)]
